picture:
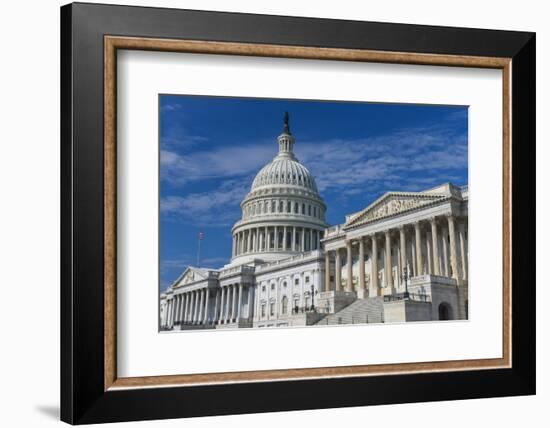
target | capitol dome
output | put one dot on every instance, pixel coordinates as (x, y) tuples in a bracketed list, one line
[(283, 171), (283, 214)]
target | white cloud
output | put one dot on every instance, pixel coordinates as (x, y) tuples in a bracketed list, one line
[(222, 162), (217, 207), (408, 159)]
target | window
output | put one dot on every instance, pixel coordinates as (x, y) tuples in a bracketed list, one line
[(273, 286), (263, 310), (272, 309), (288, 207), (303, 209), (307, 279), (309, 210), (285, 305), (296, 207), (296, 281), (263, 288), (284, 284)]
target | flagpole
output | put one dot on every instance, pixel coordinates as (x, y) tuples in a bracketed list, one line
[(199, 252)]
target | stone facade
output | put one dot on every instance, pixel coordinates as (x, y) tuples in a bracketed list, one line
[(403, 258)]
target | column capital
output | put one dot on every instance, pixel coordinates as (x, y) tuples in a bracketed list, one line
[(449, 215), (432, 219)]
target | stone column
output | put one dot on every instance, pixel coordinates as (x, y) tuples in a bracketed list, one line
[(249, 241), (206, 297), (201, 306), (182, 311), (303, 239), (187, 307), (168, 304), (233, 303), (196, 311), (429, 257), (361, 282), (178, 312), (176, 308), (349, 267), (338, 271), (374, 267), (268, 239), (452, 244), (327, 271), (387, 261), (284, 238), (403, 249), (216, 306), (310, 239), (463, 249), (240, 301), (276, 238), (435, 249), (227, 304), (445, 251), (222, 306), (191, 305), (184, 314), (418, 249), (293, 238)]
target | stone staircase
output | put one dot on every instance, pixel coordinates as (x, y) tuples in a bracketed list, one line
[(361, 311)]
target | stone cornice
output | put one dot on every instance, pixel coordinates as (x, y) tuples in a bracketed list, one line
[(422, 201)]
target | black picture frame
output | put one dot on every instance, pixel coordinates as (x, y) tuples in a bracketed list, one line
[(83, 398)]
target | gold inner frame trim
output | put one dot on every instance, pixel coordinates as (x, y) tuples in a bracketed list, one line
[(113, 43)]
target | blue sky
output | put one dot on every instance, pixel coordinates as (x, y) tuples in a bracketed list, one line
[(212, 147)]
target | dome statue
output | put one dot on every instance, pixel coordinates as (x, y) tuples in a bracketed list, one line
[(283, 214)]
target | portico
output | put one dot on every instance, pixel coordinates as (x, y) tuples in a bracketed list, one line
[(399, 237)]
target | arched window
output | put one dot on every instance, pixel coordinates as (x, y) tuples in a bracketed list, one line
[(304, 209), (288, 207), (296, 207), (285, 305), (280, 206), (309, 210), (272, 206)]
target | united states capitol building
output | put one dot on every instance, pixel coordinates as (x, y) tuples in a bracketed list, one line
[(402, 258)]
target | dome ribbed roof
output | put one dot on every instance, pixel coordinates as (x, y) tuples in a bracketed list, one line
[(284, 171)]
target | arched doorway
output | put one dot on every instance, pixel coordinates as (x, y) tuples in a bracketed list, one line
[(445, 311)]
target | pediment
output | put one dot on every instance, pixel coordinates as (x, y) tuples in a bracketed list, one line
[(190, 275), (391, 204)]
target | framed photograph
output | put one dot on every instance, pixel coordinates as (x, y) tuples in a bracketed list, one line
[(266, 213)]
